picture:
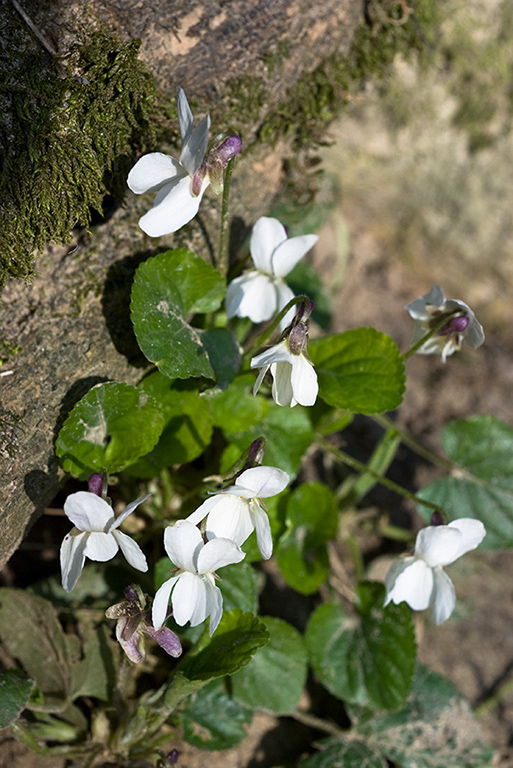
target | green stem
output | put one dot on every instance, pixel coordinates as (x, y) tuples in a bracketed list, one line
[(320, 725), (414, 444), (222, 263), (359, 466), (260, 340)]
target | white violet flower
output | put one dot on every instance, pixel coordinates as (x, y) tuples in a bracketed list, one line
[(236, 511), (180, 184), (262, 292), (194, 595), (420, 580), (294, 377), (461, 324), (95, 536)]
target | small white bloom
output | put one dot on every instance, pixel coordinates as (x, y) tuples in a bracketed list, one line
[(194, 593), (237, 510), (420, 580), (262, 292), (461, 324), (294, 377), (96, 536), (179, 184)]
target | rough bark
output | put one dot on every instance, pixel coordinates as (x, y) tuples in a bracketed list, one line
[(71, 324)]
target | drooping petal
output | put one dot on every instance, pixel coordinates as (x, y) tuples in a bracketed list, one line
[(72, 558), (418, 309), (472, 534), (189, 600), (282, 391), (161, 602), (264, 481), (288, 253), (167, 640), (410, 581), (230, 519), (279, 353), (202, 511), (304, 381), (252, 295), (174, 207), (263, 530), (444, 597), (183, 542), (185, 118), (217, 553), (101, 546), (215, 606), (128, 511), (195, 147), (88, 512), (438, 544), (260, 378), (131, 550), (267, 234), (152, 171)]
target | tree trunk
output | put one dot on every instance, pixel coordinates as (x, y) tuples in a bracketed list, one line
[(70, 328)]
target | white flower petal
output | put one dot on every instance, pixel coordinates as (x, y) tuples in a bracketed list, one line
[(230, 519), (195, 147), (202, 511), (128, 511), (474, 333), (252, 295), (438, 545), (88, 512), (444, 596), (72, 559), (263, 531), (217, 553), (410, 581), (152, 171), (215, 603), (189, 600), (304, 381), (267, 234), (260, 378), (264, 481), (175, 209), (282, 391), (279, 353), (472, 534), (131, 551), (161, 602), (101, 546), (185, 119), (183, 542), (287, 254)]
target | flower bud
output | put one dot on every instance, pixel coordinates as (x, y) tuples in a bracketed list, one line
[(95, 484), (455, 325), (437, 519)]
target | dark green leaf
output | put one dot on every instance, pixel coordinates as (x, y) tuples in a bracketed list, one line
[(223, 351), (480, 486), (311, 520), (368, 661), (275, 677), (239, 587), (361, 370), (94, 675), (110, 427), (166, 290), (213, 720), (15, 692), (237, 405), (230, 648)]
